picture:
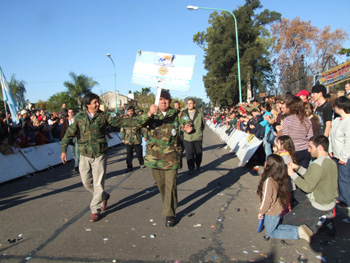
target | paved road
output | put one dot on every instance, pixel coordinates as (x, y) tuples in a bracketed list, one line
[(48, 215)]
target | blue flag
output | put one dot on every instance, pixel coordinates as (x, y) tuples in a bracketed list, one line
[(8, 98)]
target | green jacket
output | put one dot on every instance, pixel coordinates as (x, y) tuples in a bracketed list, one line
[(319, 182), (132, 135), (164, 150), (198, 127), (92, 142)]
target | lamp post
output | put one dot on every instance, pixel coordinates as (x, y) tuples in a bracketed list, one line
[(115, 83), (190, 7)]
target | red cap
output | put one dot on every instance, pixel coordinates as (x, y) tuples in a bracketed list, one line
[(303, 92)]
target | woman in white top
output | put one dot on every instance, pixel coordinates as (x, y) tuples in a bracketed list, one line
[(339, 150)]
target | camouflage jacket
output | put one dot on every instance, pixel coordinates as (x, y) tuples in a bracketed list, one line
[(92, 142), (132, 135), (164, 150)]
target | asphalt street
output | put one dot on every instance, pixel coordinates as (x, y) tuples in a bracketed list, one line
[(45, 218)]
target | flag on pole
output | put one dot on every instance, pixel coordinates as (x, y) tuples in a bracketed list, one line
[(174, 71), (8, 98)]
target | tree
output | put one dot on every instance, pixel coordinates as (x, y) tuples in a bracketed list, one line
[(298, 43), (144, 99), (327, 45), (54, 103), (182, 102), (41, 104), (219, 45), (79, 87), (18, 91), (344, 51)]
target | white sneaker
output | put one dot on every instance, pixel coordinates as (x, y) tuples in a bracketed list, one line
[(305, 233)]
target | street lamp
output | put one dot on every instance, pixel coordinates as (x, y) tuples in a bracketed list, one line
[(191, 7), (115, 83)]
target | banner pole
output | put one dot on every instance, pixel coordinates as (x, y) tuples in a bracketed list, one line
[(159, 90)]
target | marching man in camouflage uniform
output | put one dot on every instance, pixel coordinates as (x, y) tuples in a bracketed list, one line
[(92, 145), (132, 138), (164, 150)]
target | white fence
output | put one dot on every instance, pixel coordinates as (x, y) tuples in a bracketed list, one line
[(239, 142), (33, 159)]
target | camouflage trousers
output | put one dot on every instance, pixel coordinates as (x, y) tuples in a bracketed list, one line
[(166, 182), (92, 173)]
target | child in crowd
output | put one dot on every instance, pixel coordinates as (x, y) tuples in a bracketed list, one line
[(285, 148), (40, 138), (15, 147), (5, 147), (21, 139), (273, 191)]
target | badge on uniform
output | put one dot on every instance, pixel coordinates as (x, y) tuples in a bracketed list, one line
[(173, 132), (186, 118), (113, 115)]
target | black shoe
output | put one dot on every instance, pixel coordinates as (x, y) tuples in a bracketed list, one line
[(266, 238), (198, 168), (170, 221), (128, 170), (191, 172)]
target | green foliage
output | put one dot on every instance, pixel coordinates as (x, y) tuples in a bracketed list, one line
[(18, 91), (182, 102), (79, 87), (219, 45), (54, 103), (143, 99), (41, 105), (345, 51), (2, 107)]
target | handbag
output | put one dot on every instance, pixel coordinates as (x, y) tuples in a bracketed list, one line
[(270, 136)]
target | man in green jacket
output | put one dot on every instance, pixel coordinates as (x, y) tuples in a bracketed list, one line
[(319, 185), (193, 141), (164, 152), (92, 124), (132, 138)]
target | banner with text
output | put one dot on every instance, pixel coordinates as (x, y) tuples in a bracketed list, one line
[(336, 75)]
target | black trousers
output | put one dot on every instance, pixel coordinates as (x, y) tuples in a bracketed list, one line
[(130, 151), (303, 213), (194, 153), (303, 158)]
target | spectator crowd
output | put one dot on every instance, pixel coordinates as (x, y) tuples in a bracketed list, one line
[(306, 145), (35, 127)]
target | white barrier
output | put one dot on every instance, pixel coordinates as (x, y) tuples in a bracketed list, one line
[(14, 166), (43, 156), (37, 158), (115, 140), (247, 149), (237, 141)]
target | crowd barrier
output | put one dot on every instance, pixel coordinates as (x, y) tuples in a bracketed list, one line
[(37, 158), (241, 143)]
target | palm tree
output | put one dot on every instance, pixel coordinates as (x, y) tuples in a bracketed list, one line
[(79, 87), (18, 90)]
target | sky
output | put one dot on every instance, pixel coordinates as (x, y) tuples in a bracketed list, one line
[(43, 41)]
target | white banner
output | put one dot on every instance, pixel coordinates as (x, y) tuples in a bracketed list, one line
[(174, 71)]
